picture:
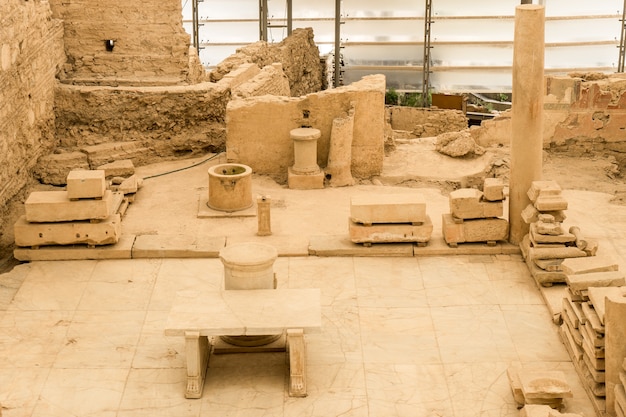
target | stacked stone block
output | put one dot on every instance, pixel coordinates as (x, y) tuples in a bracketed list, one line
[(475, 216), (620, 393), (548, 388), (85, 213), (389, 219), (547, 244)]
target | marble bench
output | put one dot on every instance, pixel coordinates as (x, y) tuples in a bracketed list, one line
[(201, 315)]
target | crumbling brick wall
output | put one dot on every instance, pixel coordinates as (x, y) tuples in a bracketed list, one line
[(148, 38), (31, 53), (426, 122), (297, 53)]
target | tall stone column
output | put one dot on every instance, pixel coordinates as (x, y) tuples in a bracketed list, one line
[(527, 116)]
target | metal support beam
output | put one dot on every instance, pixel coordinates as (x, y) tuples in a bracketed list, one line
[(337, 77), (427, 47), (263, 20), (622, 41), (289, 17), (196, 25)]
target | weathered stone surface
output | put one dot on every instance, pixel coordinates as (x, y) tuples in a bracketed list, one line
[(388, 208), (420, 122), (475, 230), (341, 245), (467, 203), (85, 184), (54, 168), (543, 188), (339, 167), (106, 232), (391, 232), (55, 206), (550, 203), (556, 253), (551, 228), (589, 264), (270, 80), (493, 189), (120, 250), (313, 181), (540, 238), (119, 168), (177, 246), (544, 384), (530, 214), (458, 144), (106, 153), (580, 282)]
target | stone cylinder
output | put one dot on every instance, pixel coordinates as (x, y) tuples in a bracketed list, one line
[(248, 266), (338, 169), (527, 112), (305, 150), (230, 187), (263, 215)]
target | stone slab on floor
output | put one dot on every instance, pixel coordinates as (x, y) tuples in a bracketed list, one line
[(55, 206), (205, 212), (438, 247), (341, 245), (553, 297), (121, 250), (285, 245), (391, 232), (388, 208), (105, 232), (177, 246)]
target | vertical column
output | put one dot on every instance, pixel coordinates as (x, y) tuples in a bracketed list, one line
[(527, 116), (263, 215)]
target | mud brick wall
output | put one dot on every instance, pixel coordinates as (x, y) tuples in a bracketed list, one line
[(149, 40), (423, 122), (31, 52)]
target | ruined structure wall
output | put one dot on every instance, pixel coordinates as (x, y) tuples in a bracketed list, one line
[(271, 80), (31, 52), (149, 40), (258, 128), (169, 121), (297, 53), (423, 122)]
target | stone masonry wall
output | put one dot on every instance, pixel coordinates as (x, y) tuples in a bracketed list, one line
[(423, 122), (31, 53), (297, 53), (148, 41), (258, 127)]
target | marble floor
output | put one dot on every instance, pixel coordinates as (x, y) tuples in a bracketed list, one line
[(429, 336)]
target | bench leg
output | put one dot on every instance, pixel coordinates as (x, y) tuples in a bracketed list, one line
[(197, 350), (297, 363)]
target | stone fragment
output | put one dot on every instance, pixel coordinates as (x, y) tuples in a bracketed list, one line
[(54, 168), (106, 232), (589, 264), (537, 237), (475, 230), (598, 296), (546, 218), (549, 264), (388, 208), (467, 203), (85, 184), (551, 228), (550, 203), (580, 282), (543, 188), (581, 242), (55, 206), (516, 385), (339, 168), (493, 189), (129, 186), (457, 144), (591, 248), (120, 168), (556, 253), (391, 232), (530, 214), (544, 385), (105, 153)]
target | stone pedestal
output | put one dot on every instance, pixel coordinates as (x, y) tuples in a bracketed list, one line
[(249, 266), (305, 173), (527, 116), (230, 187), (263, 215)]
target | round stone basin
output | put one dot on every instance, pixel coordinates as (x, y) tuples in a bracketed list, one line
[(230, 187), (248, 266)]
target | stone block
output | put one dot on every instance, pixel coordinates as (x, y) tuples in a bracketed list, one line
[(544, 385), (120, 168), (475, 230), (341, 245), (537, 237), (388, 208), (391, 232), (314, 181), (105, 153), (589, 264), (543, 188), (530, 214), (580, 282), (106, 232), (120, 250), (467, 203), (177, 246), (493, 189), (550, 203), (55, 206), (548, 228), (598, 296), (85, 184), (54, 168)]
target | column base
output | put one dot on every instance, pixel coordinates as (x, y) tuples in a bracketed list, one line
[(311, 181)]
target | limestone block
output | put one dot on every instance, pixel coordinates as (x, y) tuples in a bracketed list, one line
[(105, 232), (598, 296), (493, 189), (615, 323), (543, 188), (516, 385), (580, 282), (476, 230), (120, 250), (467, 203), (589, 264), (313, 181), (388, 208), (548, 228), (544, 384), (120, 168), (550, 203), (55, 206), (552, 265), (105, 153), (391, 232), (537, 237), (85, 184), (530, 214), (54, 168), (555, 253)]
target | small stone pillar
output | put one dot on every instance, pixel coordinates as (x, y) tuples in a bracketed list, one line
[(249, 266), (263, 215), (338, 170), (305, 174), (527, 116), (230, 187)]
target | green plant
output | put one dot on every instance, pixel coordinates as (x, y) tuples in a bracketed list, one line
[(391, 97)]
